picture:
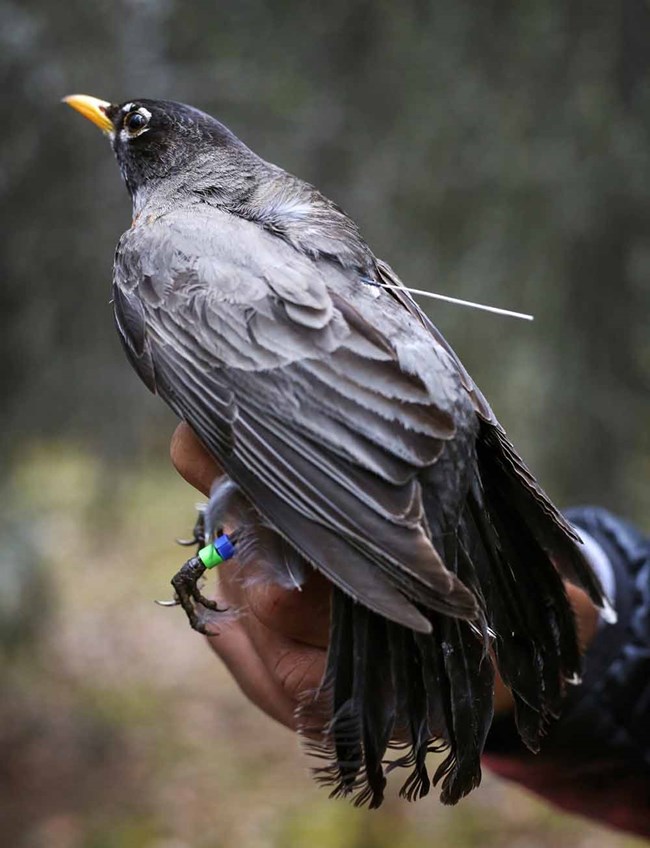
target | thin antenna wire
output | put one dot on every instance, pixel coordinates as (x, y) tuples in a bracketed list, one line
[(523, 315)]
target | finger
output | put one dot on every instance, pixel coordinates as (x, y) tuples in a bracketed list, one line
[(301, 615), (586, 615), (275, 672), (191, 459), (297, 668), (295, 665), (235, 648)]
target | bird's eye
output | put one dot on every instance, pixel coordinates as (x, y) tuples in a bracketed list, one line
[(135, 122)]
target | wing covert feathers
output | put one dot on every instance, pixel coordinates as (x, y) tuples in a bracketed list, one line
[(360, 447)]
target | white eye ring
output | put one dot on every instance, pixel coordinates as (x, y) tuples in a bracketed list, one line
[(138, 126)]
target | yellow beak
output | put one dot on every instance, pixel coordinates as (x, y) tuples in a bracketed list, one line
[(93, 109)]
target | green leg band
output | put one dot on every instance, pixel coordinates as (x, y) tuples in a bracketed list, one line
[(209, 556)]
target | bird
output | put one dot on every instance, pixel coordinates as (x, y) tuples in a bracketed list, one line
[(355, 444)]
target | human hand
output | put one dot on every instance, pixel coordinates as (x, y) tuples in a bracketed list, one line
[(277, 650)]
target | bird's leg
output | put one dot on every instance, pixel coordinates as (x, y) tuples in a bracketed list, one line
[(187, 593), (185, 581)]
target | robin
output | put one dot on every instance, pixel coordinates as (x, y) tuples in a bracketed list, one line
[(354, 443)]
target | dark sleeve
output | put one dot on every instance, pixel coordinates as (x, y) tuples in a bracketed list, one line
[(596, 758)]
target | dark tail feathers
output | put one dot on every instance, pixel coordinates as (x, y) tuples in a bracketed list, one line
[(389, 687)]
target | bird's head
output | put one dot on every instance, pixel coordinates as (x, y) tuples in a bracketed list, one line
[(157, 139)]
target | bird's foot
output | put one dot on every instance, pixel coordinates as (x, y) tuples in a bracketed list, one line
[(189, 596), (187, 593), (198, 539)]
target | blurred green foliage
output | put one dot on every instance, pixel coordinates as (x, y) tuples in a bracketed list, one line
[(497, 151)]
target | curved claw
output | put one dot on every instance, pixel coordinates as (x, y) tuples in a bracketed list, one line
[(174, 603), (186, 543)]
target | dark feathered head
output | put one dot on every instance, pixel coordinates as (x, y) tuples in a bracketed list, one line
[(153, 139)]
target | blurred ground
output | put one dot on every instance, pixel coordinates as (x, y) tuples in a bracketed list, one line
[(497, 151)]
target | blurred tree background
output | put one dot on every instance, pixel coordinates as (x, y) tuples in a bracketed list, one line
[(497, 151)]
